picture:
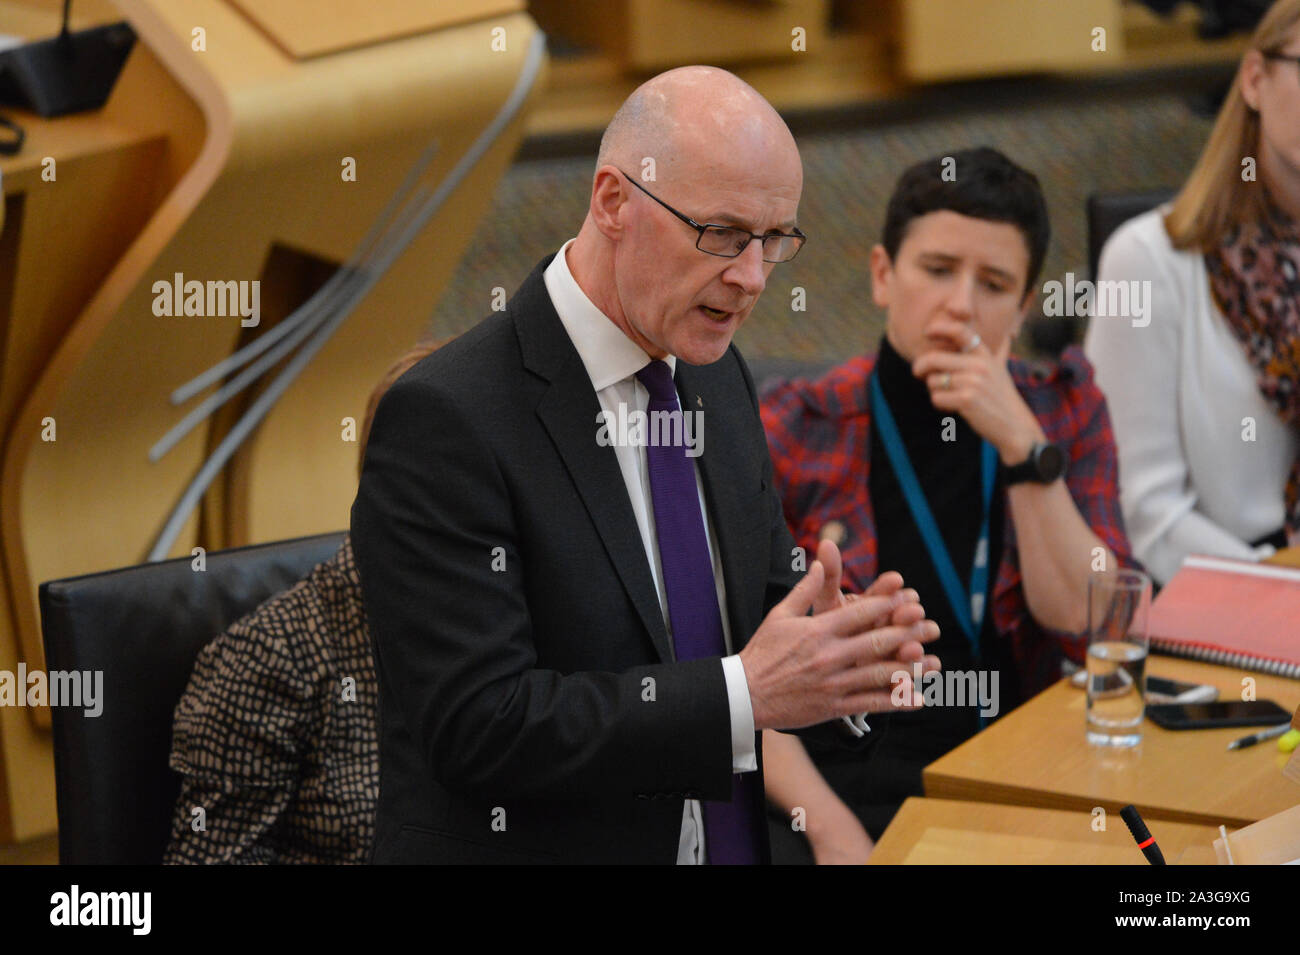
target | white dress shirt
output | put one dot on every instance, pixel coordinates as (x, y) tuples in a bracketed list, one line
[(612, 361), (1182, 395)]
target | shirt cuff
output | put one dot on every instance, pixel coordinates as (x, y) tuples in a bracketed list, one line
[(744, 758), (857, 724)]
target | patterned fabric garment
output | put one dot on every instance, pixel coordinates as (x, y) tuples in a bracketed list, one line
[(1255, 278), (820, 439), (275, 735)]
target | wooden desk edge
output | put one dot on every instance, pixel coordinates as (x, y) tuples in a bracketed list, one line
[(938, 785)]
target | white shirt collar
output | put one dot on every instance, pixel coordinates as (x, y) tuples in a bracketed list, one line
[(608, 355)]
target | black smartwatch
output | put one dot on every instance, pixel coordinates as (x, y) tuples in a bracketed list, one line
[(1046, 463)]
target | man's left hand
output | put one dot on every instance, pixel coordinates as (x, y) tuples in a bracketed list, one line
[(964, 376)]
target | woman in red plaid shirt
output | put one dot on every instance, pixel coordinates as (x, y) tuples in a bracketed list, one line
[(989, 485)]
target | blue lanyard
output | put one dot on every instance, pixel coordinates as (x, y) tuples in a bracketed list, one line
[(969, 612)]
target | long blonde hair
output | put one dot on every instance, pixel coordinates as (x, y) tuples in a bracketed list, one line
[(1215, 197)]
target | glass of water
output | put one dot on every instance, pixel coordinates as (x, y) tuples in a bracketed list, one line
[(1118, 640)]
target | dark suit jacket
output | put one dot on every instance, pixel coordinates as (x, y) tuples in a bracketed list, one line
[(530, 708)]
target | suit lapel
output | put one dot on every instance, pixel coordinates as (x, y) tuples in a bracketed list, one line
[(568, 410)]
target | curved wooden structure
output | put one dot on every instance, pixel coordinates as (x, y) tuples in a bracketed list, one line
[(229, 168)]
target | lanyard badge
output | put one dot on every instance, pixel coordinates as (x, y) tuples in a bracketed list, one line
[(968, 604)]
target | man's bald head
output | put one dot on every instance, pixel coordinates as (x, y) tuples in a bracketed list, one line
[(695, 144), (686, 115)]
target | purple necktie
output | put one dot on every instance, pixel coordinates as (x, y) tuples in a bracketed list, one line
[(731, 834)]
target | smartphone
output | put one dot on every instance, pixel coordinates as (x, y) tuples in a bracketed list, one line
[(1158, 689), (1161, 690), (1197, 716)]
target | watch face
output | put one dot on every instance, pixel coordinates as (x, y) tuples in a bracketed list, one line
[(1050, 462)]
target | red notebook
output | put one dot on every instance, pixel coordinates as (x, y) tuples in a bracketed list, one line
[(1232, 612)]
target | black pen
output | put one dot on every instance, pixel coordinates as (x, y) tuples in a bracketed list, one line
[(1270, 733), (1146, 842)]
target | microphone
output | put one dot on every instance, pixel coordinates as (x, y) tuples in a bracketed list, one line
[(69, 73), (1146, 842)]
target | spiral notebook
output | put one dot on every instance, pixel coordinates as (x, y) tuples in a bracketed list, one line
[(1231, 612)]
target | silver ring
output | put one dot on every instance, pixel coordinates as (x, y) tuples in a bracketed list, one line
[(974, 343), (945, 382)]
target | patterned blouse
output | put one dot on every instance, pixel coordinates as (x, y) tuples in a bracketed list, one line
[(275, 735)]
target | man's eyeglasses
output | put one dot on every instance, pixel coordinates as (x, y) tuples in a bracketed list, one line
[(729, 241)]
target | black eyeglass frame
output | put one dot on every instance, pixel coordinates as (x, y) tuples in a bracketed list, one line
[(701, 228), (1289, 57)]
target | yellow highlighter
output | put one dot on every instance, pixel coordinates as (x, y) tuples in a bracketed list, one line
[(1288, 740)]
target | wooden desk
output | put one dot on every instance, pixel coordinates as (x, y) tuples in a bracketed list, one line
[(943, 832), (1037, 756)]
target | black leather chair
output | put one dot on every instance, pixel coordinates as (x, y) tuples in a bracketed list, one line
[(768, 373), (1107, 211), (143, 627)]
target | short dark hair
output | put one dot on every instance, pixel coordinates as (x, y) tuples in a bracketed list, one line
[(985, 185)]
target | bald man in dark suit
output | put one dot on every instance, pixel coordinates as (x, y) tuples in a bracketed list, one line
[(579, 623)]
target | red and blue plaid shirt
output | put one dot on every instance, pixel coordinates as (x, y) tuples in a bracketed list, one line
[(820, 438)]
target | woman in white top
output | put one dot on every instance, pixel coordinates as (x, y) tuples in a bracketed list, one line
[(1203, 379)]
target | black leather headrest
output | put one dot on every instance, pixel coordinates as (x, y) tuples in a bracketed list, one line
[(142, 627), (1107, 211), (768, 373)]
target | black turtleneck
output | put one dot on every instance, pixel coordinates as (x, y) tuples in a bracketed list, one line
[(949, 473)]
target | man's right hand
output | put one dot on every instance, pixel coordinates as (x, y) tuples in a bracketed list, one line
[(804, 669)]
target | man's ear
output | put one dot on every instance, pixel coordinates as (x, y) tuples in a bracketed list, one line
[(609, 196), (882, 275)]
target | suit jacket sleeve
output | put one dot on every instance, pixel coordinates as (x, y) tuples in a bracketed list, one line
[(432, 526)]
